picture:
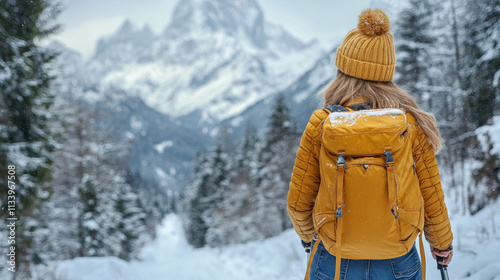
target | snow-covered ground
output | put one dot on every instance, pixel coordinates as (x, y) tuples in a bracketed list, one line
[(477, 256), (170, 257)]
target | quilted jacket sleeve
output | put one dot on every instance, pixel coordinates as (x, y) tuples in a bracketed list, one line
[(437, 226), (305, 179)]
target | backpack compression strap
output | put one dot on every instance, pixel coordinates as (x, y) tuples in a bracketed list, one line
[(313, 252), (391, 182), (338, 215), (422, 254)]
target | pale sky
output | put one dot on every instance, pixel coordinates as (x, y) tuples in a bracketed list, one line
[(84, 21)]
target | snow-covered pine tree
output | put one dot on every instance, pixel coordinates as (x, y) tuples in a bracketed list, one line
[(25, 141), (151, 200), (247, 157), (130, 228), (70, 129), (191, 208), (203, 195), (280, 125), (480, 66), (77, 186), (486, 176), (100, 163), (482, 60), (415, 41), (91, 237), (89, 184), (100, 159), (236, 218), (212, 194), (447, 96), (443, 83), (277, 159)]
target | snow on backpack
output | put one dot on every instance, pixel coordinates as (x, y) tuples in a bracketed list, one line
[(369, 204)]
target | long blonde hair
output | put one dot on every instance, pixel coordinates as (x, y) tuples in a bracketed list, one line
[(345, 88)]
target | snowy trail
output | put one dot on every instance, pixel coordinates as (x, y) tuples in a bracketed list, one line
[(477, 256), (170, 257)]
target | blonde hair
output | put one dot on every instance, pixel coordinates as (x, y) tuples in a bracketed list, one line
[(345, 88)]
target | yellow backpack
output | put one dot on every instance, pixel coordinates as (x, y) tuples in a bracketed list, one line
[(369, 204)]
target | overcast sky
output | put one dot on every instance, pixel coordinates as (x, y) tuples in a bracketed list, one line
[(84, 21)]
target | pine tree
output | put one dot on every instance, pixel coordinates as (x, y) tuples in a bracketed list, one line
[(90, 221), (99, 212), (100, 161), (80, 197), (234, 220), (486, 177), (247, 158), (212, 194), (131, 222), (25, 141), (281, 123), (203, 196), (482, 60), (277, 159), (151, 200), (194, 225), (481, 81), (415, 40), (447, 95)]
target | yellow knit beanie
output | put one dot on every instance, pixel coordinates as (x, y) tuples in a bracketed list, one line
[(367, 51)]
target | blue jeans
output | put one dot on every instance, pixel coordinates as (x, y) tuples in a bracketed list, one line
[(406, 267)]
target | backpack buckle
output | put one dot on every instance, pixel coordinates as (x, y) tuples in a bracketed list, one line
[(340, 160), (389, 161), (394, 211), (338, 214)]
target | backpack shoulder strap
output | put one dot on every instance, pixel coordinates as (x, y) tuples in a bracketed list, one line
[(336, 108)]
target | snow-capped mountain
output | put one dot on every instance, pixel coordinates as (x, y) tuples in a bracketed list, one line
[(215, 57), (301, 96), (161, 147), (127, 45), (170, 91)]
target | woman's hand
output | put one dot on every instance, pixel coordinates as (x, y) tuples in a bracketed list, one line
[(446, 255), (307, 246)]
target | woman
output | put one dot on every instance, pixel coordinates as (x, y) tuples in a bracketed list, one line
[(366, 64)]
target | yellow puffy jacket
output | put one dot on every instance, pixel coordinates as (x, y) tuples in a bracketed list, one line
[(306, 178)]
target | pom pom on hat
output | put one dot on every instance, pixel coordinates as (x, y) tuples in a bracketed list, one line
[(373, 22)]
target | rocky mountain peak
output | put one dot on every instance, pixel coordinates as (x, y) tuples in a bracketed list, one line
[(216, 56), (128, 37), (233, 18)]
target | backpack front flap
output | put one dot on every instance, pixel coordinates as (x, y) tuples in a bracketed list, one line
[(366, 132)]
